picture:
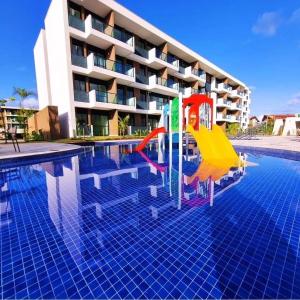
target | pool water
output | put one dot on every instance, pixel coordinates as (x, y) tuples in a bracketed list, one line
[(105, 224)]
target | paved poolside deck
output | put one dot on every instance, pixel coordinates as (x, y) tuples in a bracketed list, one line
[(291, 143), (29, 149)]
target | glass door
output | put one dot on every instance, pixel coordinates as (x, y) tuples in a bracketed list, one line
[(121, 95), (100, 124)]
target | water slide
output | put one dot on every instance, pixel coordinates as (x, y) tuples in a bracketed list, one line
[(155, 165), (214, 146), (206, 170), (150, 136)]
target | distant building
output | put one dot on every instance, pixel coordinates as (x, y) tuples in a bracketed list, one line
[(9, 118), (253, 121), (276, 117), (286, 125)]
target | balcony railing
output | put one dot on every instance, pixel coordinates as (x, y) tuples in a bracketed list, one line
[(198, 73), (155, 103), (81, 96), (115, 66), (112, 31), (106, 97), (167, 58), (181, 70), (141, 52), (76, 23), (162, 81), (208, 87), (79, 61), (140, 104), (167, 83), (140, 78)]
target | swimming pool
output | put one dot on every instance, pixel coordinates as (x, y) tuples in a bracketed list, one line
[(106, 224)]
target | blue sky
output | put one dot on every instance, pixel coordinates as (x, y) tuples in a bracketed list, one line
[(257, 41)]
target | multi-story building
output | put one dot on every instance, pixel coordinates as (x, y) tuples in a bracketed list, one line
[(96, 61), (11, 117)]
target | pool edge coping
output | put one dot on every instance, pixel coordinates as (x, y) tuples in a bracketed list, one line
[(46, 155), (27, 157)]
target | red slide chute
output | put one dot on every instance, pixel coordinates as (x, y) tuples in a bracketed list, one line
[(150, 136)]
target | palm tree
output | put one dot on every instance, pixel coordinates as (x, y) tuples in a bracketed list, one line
[(24, 114), (123, 124), (23, 94)]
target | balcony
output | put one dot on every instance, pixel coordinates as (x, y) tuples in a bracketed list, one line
[(103, 69), (158, 59), (77, 23), (237, 94), (234, 106), (104, 100), (221, 117), (227, 118), (79, 61), (163, 86), (102, 35), (141, 104), (155, 104), (222, 102), (140, 78), (81, 96), (190, 91), (224, 88)]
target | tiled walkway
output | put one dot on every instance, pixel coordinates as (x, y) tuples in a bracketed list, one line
[(291, 143), (28, 149)]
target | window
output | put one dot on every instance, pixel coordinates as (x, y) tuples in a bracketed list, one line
[(120, 95), (97, 86), (119, 65), (130, 93), (143, 96), (74, 12), (76, 49), (79, 84)]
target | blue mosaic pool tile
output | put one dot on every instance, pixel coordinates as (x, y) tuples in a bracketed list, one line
[(104, 225)]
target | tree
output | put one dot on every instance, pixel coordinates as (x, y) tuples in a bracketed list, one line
[(233, 129), (123, 124), (23, 94), (24, 114), (3, 102)]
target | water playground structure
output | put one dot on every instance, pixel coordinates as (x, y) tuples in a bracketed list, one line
[(193, 116)]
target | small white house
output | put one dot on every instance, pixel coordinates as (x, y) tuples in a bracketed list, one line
[(288, 126)]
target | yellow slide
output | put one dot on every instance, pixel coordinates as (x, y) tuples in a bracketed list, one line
[(206, 170), (214, 146)]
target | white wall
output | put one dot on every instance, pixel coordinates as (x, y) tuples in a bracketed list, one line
[(290, 127), (59, 58), (278, 124), (42, 71)]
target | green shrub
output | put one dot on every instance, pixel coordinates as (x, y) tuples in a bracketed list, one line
[(36, 136)]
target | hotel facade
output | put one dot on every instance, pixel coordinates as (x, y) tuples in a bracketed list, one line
[(97, 61)]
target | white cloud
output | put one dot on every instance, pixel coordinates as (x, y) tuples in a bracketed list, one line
[(295, 17), (267, 24), (31, 102), (295, 100)]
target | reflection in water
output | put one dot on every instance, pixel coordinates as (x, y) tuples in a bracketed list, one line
[(104, 224), (84, 191)]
